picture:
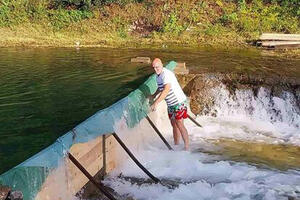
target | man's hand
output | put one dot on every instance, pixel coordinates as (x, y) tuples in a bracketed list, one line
[(151, 99), (153, 107), (153, 96)]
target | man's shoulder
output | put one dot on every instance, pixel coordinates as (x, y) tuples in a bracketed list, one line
[(168, 72)]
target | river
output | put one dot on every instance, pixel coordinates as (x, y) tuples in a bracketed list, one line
[(47, 91)]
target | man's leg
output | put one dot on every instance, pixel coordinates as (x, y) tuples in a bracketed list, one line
[(176, 132), (184, 133)]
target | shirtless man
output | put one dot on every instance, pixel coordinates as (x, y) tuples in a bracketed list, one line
[(170, 91)]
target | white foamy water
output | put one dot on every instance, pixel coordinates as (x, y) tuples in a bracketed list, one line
[(264, 117), (244, 117)]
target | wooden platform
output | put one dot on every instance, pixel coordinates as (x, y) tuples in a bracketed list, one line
[(279, 41)]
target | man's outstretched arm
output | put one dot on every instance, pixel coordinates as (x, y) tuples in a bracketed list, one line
[(155, 93), (162, 96)]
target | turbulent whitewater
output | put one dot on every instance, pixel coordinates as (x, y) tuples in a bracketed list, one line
[(206, 171)]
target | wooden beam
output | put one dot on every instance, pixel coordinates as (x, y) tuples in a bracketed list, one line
[(181, 68), (282, 37), (156, 180), (193, 120), (181, 65), (98, 185), (158, 132), (141, 60), (280, 44)]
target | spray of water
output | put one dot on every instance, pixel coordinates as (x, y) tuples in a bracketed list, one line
[(242, 116)]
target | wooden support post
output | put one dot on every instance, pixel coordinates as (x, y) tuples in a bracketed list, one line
[(193, 120), (99, 185), (158, 133), (156, 180), (104, 155)]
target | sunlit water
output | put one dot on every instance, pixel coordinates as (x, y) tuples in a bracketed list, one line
[(46, 92)]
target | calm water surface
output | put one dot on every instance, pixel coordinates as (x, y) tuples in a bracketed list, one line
[(44, 92)]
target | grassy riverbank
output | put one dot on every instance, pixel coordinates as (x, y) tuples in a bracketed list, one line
[(143, 23)]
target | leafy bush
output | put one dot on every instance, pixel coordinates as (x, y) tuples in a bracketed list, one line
[(258, 16), (120, 26), (36, 9), (292, 6), (62, 18), (12, 12), (185, 18), (171, 25), (87, 4), (72, 4)]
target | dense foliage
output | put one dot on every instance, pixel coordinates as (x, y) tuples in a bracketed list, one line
[(152, 19)]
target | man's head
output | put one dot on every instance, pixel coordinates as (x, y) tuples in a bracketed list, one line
[(157, 66)]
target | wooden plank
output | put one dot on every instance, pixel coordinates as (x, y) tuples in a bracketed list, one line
[(285, 47), (181, 65), (279, 43), (77, 179), (91, 156), (110, 142), (282, 37), (141, 60), (111, 149), (181, 71), (181, 68), (80, 149), (67, 180)]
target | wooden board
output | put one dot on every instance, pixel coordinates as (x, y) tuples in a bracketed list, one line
[(141, 60), (111, 149), (181, 71), (67, 179), (280, 37), (181, 65), (181, 68), (280, 44)]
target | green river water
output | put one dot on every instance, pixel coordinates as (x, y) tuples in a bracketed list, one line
[(45, 92)]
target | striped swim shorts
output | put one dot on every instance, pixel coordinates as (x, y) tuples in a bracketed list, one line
[(178, 111)]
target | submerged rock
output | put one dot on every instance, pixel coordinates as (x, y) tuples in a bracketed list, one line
[(15, 195), (4, 192), (201, 97), (200, 87)]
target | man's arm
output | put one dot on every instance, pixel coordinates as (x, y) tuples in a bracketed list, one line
[(156, 93), (162, 96), (152, 97)]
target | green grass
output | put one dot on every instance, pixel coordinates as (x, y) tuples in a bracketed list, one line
[(112, 22)]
